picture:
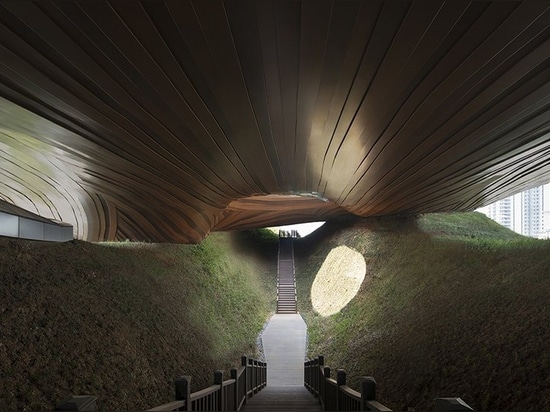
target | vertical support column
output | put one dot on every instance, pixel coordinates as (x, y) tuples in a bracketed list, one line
[(306, 374), (264, 374), (183, 391), (234, 375), (368, 391), (322, 389), (252, 376), (244, 362), (256, 376), (218, 380), (316, 373), (340, 381)]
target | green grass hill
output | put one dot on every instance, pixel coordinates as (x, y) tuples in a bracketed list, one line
[(451, 305), (122, 320)]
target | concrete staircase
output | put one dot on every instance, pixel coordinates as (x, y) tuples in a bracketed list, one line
[(284, 343), (286, 281)]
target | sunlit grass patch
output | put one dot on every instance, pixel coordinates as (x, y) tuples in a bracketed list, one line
[(338, 280)]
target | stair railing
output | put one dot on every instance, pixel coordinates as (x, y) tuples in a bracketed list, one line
[(228, 395), (334, 394)]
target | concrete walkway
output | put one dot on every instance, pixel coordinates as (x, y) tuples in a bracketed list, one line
[(284, 344)]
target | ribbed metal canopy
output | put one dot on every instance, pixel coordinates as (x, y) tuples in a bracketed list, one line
[(165, 120)]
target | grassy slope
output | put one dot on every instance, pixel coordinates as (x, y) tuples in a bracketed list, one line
[(452, 305), (120, 321)]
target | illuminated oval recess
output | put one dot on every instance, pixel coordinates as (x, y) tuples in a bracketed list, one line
[(338, 280)]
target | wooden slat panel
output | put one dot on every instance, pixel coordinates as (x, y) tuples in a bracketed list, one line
[(165, 120)]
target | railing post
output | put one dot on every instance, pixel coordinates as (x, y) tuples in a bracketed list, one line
[(316, 374), (256, 376), (252, 377), (218, 380), (252, 372), (234, 375), (308, 377), (326, 375), (306, 374), (244, 362), (368, 391), (183, 391), (340, 381)]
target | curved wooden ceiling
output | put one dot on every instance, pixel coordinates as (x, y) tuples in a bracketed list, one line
[(164, 120)]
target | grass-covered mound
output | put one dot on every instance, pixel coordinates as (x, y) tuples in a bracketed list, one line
[(121, 321), (451, 305)]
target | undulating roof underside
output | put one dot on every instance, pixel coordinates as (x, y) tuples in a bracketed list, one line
[(164, 120)]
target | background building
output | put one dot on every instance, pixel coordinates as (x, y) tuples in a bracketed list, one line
[(527, 213)]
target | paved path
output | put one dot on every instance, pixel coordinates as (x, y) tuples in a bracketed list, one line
[(284, 344)]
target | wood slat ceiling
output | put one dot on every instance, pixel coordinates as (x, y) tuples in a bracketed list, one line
[(164, 120)]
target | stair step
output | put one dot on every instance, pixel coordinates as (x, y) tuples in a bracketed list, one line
[(286, 285)]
